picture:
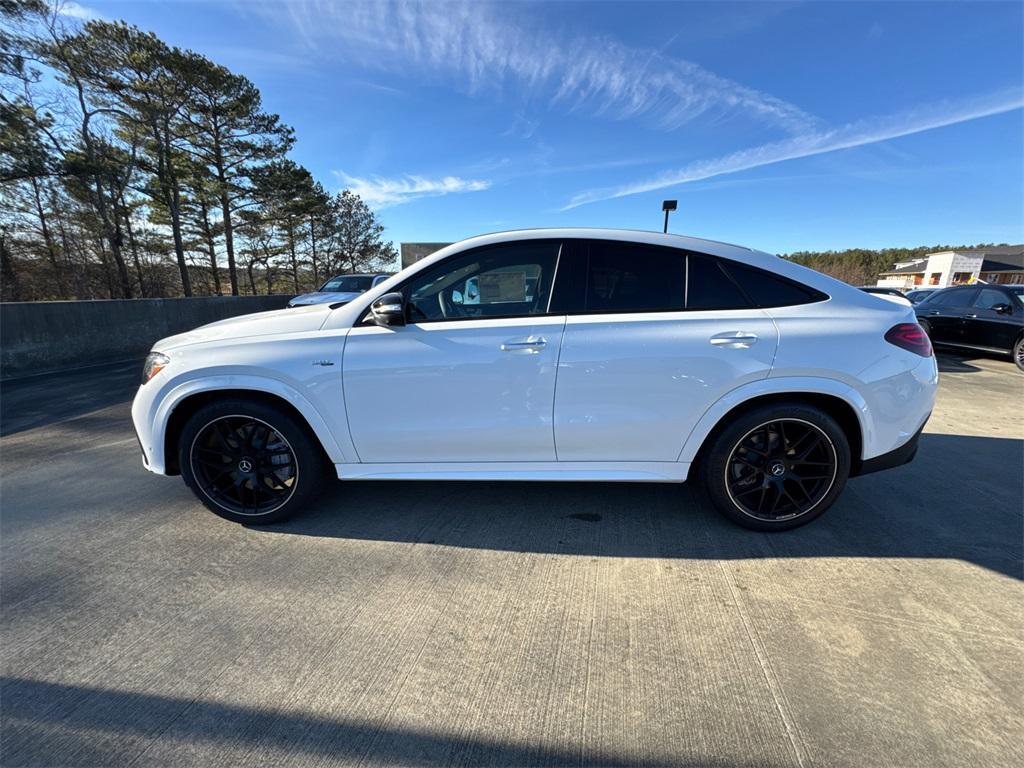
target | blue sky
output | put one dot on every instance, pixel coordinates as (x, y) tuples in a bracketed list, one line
[(782, 126)]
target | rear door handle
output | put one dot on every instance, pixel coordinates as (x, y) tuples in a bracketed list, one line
[(531, 344), (734, 339), (971, 317)]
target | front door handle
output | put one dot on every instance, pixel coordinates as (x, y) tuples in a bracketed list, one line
[(970, 317), (734, 339), (935, 312), (531, 344)]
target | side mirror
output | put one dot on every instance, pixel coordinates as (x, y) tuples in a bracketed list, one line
[(389, 310), (1002, 309)]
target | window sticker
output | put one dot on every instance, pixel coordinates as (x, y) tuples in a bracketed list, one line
[(502, 287)]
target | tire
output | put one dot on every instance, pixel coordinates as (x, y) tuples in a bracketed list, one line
[(251, 462), (1018, 353), (927, 328), (756, 483)]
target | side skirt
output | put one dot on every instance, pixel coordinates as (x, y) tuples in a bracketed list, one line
[(992, 350), (569, 471)]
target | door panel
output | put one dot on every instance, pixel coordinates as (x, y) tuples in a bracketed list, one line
[(946, 313), (984, 327), (632, 386), (469, 390)]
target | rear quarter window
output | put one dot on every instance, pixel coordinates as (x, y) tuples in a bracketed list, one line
[(769, 290)]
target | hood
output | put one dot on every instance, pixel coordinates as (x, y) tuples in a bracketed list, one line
[(323, 298), (277, 321)]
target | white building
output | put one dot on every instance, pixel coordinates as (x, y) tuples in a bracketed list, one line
[(1003, 264)]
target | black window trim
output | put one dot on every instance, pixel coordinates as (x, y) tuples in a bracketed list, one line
[(575, 266)]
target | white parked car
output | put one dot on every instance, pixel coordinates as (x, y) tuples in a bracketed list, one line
[(551, 355), (340, 289)]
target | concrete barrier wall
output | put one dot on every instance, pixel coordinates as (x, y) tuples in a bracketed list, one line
[(41, 336)]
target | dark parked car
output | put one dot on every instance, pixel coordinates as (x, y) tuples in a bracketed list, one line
[(989, 318)]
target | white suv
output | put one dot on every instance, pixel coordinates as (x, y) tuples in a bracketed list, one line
[(551, 355)]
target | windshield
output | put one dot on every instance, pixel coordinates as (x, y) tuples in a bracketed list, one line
[(1018, 291), (347, 284)]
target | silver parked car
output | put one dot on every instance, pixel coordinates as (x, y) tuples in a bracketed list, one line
[(340, 289)]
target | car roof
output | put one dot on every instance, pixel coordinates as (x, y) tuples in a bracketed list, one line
[(601, 233)]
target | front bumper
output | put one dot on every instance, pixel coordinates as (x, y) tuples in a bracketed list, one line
[(144, 409)]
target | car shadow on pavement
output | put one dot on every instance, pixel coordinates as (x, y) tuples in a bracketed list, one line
[(908, 512), (954, 364), (95, 722)]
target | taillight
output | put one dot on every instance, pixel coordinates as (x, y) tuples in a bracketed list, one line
[(911, 337)]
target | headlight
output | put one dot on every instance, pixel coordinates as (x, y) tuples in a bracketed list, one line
[(155, 362)]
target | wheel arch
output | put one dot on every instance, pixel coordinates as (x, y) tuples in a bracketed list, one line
[(847, 408), (188, 403)]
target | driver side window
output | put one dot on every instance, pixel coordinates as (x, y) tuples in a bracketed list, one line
[(508, 280), (988, 298)]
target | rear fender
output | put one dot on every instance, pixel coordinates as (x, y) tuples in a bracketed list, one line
[(793, 385)]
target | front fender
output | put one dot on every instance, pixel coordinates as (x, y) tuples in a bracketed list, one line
[(791, 385), (309, 412)]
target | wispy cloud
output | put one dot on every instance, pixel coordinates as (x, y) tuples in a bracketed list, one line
[(77, 11), (379, 192), (854, 134), (499, 48), (522, 127)]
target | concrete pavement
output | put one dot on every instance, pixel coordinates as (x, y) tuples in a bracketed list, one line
[(512, 624)]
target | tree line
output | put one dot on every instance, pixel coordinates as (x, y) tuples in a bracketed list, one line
[(861, 266), (132, 168)]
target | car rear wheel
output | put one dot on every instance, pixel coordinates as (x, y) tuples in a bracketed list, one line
[(1018, 353), (250, 462), (776, 467)]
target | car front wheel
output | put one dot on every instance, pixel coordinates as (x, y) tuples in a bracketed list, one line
[(250, 462), (776, 467), (1018, 353)]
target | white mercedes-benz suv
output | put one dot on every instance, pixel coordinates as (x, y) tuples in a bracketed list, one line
[(561, 354)]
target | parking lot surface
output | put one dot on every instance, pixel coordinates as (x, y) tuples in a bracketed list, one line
[(514, 624)]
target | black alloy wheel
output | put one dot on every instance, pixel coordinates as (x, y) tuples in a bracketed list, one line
[(781, 470), (775, 466), (251, 462), (244, 465)]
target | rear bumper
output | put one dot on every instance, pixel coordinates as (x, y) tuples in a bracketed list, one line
[(895, 458)]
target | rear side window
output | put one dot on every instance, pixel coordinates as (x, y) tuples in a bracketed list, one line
[(768, 290), (708, 287), (952, 298), (623, 277)]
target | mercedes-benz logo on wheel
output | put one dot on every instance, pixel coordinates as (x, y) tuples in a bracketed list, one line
[(777, 469), (245, 466)]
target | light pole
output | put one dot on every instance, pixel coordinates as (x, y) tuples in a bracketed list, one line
[(667, 206)]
